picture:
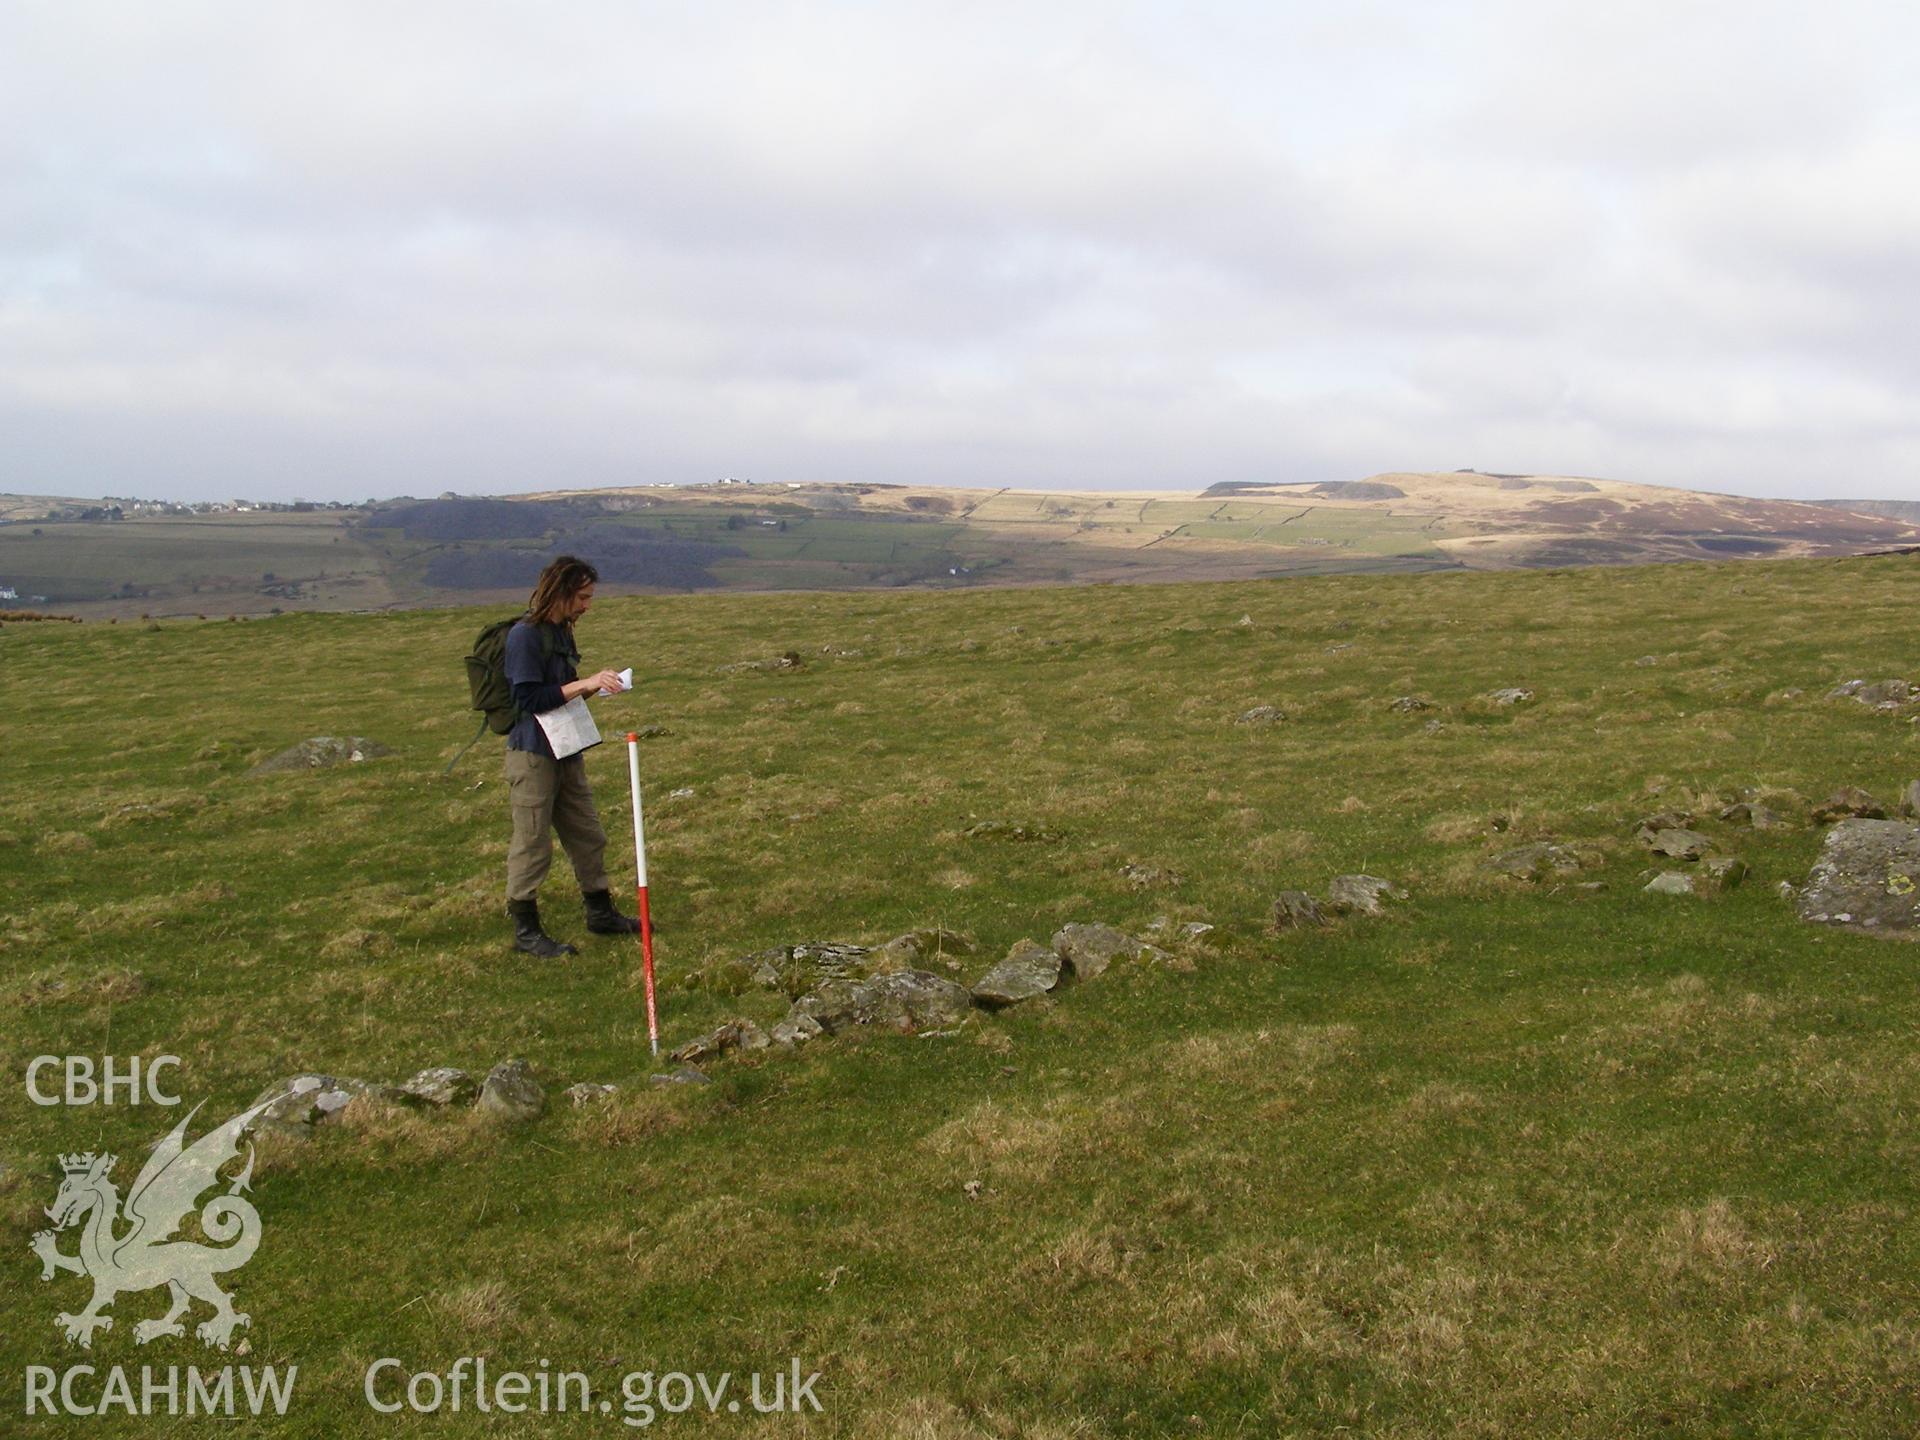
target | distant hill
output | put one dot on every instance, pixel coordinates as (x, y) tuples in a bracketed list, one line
[(1907, 510), (76, 557)]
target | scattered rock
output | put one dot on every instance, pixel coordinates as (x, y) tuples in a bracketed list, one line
[(1910, 800), (1886, 695), (1511, 696), (1412, 704), (685, 792), (1163, 926), (1087, 950), (1535, 862), (789, 661), (652, 732), (1670, 882), (588, 1093), (905, 1000), (918, 948), (442, 1085), (1867, 878), (1007, 830), (1296, 910), (1262, 715), (1723, 872), (1245, 622), (1848, 802), (795, 969), (1749, 812), (511, 1094), (1677, 844), (1434, 727), (1029, 969), (738, 1034), (685, 1075), (322, 752), (1148, 877), (1646, 660), (1361, 894), (1665, 820)]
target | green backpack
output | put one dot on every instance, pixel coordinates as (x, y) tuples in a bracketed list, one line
[(487, 684)]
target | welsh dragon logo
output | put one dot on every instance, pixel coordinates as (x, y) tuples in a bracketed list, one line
[(135, 1249)]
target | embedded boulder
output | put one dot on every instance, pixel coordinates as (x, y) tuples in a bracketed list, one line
[(738, 1034), (1535, 862), (903, 1000), (442, 1085), (1867, 878), (511, 1094), (322, 752), (1296, 910), (1087, 950), (1848, 802), (1677, 844), (1361, 894), (1029, 969)]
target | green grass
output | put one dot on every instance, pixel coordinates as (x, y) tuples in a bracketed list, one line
[(1511, 1160)]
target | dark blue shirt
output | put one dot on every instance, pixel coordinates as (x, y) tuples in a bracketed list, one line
[(536, 671)]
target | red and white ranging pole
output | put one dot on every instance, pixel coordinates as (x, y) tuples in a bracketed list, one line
[(640, 863)]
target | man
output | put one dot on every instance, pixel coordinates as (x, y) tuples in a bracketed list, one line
[(552, 795)]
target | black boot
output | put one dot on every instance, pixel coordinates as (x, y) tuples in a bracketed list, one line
[(603, 919), (527, 934)]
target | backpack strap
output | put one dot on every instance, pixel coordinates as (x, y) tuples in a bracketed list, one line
[(466, 747)]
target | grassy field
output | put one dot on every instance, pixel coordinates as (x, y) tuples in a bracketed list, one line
[(1510, 1160)]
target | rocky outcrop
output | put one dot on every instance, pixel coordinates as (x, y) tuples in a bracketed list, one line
[(322, 752), (1029, 969)]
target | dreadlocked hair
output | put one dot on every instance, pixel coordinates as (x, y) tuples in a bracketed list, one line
[(565, 577)]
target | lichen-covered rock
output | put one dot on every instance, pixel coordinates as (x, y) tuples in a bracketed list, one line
[(441, 1085), (737, 1034), (1262, 715), (1029, 969), (1867, 878), (685, 1075), (1671, 882), (796, 1029), (1513, 695), (796, 969), (904, 1000), (511, 1094), (1411, 704), (1535, 862), (1910, 800), (919, 948), (587, 1092), (1886, 695), (300, 1102), (1723, 872), (1361, 894), (1087, 950), (1008, 831), (1751, 812), (1296, 910)]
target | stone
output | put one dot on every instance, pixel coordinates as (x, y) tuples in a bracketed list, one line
[(1411, 704), (918, 948), (1511, 696), (511, 1095), (1723, 872), (1677, 844), (298, 1103), (1087, 950), (1029, 969), (1296, 910), (1434, 727), (1262, 715), (1535, 862), (1663, 820), (652, 732), (1164, 927), (1887, 695), (1007, 830), (442, 1085), (588, 1093), (1361, 894), (796, 969), (1245, 622), (1646, 660), (789, 661), (1148, 877), (904, 1000), (1749, 812), (322, 752), (737, 1034), (1867, 878), (685, 1075), (1910, 800), (1848, 802), (796, 1030), (1670, 882)]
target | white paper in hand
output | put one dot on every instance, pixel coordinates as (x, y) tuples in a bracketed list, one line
[(626, 683)]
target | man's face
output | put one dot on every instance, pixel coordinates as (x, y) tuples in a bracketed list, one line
[(577, 606)]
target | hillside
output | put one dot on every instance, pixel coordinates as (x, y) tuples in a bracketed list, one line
[(405, 553), (1556, 1157)]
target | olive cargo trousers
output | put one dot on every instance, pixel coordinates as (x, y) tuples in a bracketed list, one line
[(552, 795)]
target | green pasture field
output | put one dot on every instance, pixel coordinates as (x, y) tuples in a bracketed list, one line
[(1510, 1160), (79, 561)]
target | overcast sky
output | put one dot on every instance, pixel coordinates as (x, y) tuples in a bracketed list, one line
[(351, 249)]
